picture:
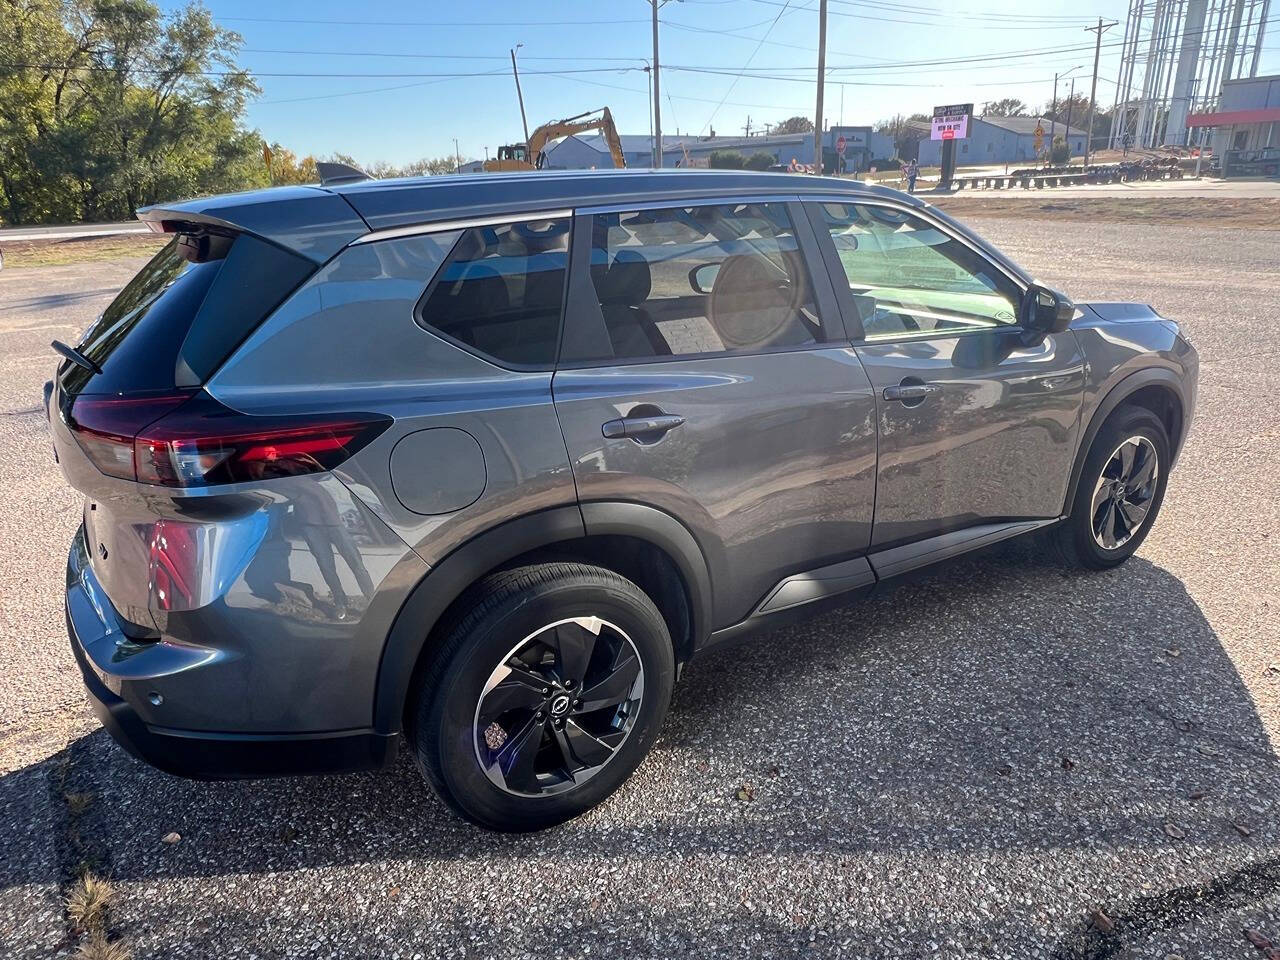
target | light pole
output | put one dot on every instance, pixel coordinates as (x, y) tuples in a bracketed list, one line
[(457, 157), (519, 95), (1053, 110)]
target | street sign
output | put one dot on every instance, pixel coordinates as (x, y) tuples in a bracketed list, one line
[(1039, 141), (951, 122), (840, 145)]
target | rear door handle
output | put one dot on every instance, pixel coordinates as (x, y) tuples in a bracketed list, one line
[(911, 391), (643, 429)]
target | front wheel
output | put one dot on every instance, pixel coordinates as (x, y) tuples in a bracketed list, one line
[(1120, 492), (546, 695)]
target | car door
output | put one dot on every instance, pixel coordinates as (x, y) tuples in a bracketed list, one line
[(977, 421), (704, 372)]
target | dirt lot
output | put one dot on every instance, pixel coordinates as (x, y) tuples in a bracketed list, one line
[(1201, 212), (970, 765)]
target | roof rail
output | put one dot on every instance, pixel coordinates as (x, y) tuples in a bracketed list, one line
[(332, 173)]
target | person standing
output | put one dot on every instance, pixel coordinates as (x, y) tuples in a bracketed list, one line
[(913, 171)]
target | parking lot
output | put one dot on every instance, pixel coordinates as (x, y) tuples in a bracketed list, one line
[(1004, 760)]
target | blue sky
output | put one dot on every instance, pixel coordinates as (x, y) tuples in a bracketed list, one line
[(579, 54)]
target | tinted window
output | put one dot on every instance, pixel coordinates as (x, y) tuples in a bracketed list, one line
[(699, 280), (909, 277), (177, 320), (501, 289), (136, 339)]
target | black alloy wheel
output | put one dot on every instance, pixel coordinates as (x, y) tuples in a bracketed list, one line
[(558, 707)]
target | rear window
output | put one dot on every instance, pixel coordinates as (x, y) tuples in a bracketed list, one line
[(177, 320)]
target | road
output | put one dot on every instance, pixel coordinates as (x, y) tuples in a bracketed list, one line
[(966, 765)]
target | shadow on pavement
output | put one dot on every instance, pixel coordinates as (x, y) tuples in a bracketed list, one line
[(1003, 705)]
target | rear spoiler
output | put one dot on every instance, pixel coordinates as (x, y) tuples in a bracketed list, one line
[(309, 221), (332, 173)]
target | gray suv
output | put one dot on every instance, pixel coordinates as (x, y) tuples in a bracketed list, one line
[(480, 463)]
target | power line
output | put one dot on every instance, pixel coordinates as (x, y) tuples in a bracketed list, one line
[(319, 21), (745, 65)]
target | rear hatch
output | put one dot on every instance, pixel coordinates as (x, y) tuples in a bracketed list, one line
[(132, 428)]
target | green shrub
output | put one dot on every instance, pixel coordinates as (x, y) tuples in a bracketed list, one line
[(726, 160)]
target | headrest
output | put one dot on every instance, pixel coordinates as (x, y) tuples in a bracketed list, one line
[(752, 303), (626, 282)]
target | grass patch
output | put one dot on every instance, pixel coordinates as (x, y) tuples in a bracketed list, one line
[(97, 946), (56, 251), (88, 901)]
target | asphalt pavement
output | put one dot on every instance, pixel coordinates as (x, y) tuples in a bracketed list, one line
[(1004, 760)]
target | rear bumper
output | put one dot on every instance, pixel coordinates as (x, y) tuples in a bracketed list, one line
[(205, 755)]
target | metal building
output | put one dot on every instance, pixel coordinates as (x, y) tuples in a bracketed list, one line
[(1175, 58)]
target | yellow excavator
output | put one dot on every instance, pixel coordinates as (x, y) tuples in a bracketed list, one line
[(530, 156)]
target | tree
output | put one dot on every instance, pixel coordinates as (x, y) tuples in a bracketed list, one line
[(108, 105), (759, 161), (1006, 107), (795, 125), (907, 132)]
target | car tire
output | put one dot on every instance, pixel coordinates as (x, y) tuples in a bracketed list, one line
[(511, 755), (1113, 512)]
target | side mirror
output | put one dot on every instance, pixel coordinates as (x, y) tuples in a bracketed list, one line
[(1045, 311), (703, 277)]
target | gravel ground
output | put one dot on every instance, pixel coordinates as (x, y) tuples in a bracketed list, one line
[(967, 765)]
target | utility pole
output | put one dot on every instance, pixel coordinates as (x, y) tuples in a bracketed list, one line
[(520, 96), (1093, 90), (1053, 116), (657, 94), (1071, 101), (822, 73), (457, 157), (648, 73)]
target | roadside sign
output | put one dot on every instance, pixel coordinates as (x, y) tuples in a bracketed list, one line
[(1039, 141), (840, 145), (951, 121)]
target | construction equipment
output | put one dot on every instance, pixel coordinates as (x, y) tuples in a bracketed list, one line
[(530, 156)]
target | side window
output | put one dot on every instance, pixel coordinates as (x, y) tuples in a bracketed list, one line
[(501, 289), (908, 277), (701, 280)]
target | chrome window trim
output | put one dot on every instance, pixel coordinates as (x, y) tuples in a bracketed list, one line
[(671, 203), (447, 226)]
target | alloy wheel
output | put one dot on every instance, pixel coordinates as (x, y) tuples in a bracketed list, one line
[(558, 706), (1124, 492)]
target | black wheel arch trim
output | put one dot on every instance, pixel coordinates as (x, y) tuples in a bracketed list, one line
[(446, 581), (1118, 394)]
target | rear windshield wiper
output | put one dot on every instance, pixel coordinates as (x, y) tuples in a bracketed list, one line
[(75, 356)]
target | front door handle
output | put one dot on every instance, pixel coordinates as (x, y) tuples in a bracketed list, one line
[(641, 429), (911, 391)]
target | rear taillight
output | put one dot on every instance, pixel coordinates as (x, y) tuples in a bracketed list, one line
[(192, 440), (105, 427)]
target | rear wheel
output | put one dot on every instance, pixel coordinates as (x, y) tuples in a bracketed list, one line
[(548, 692), (1120, 492)]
